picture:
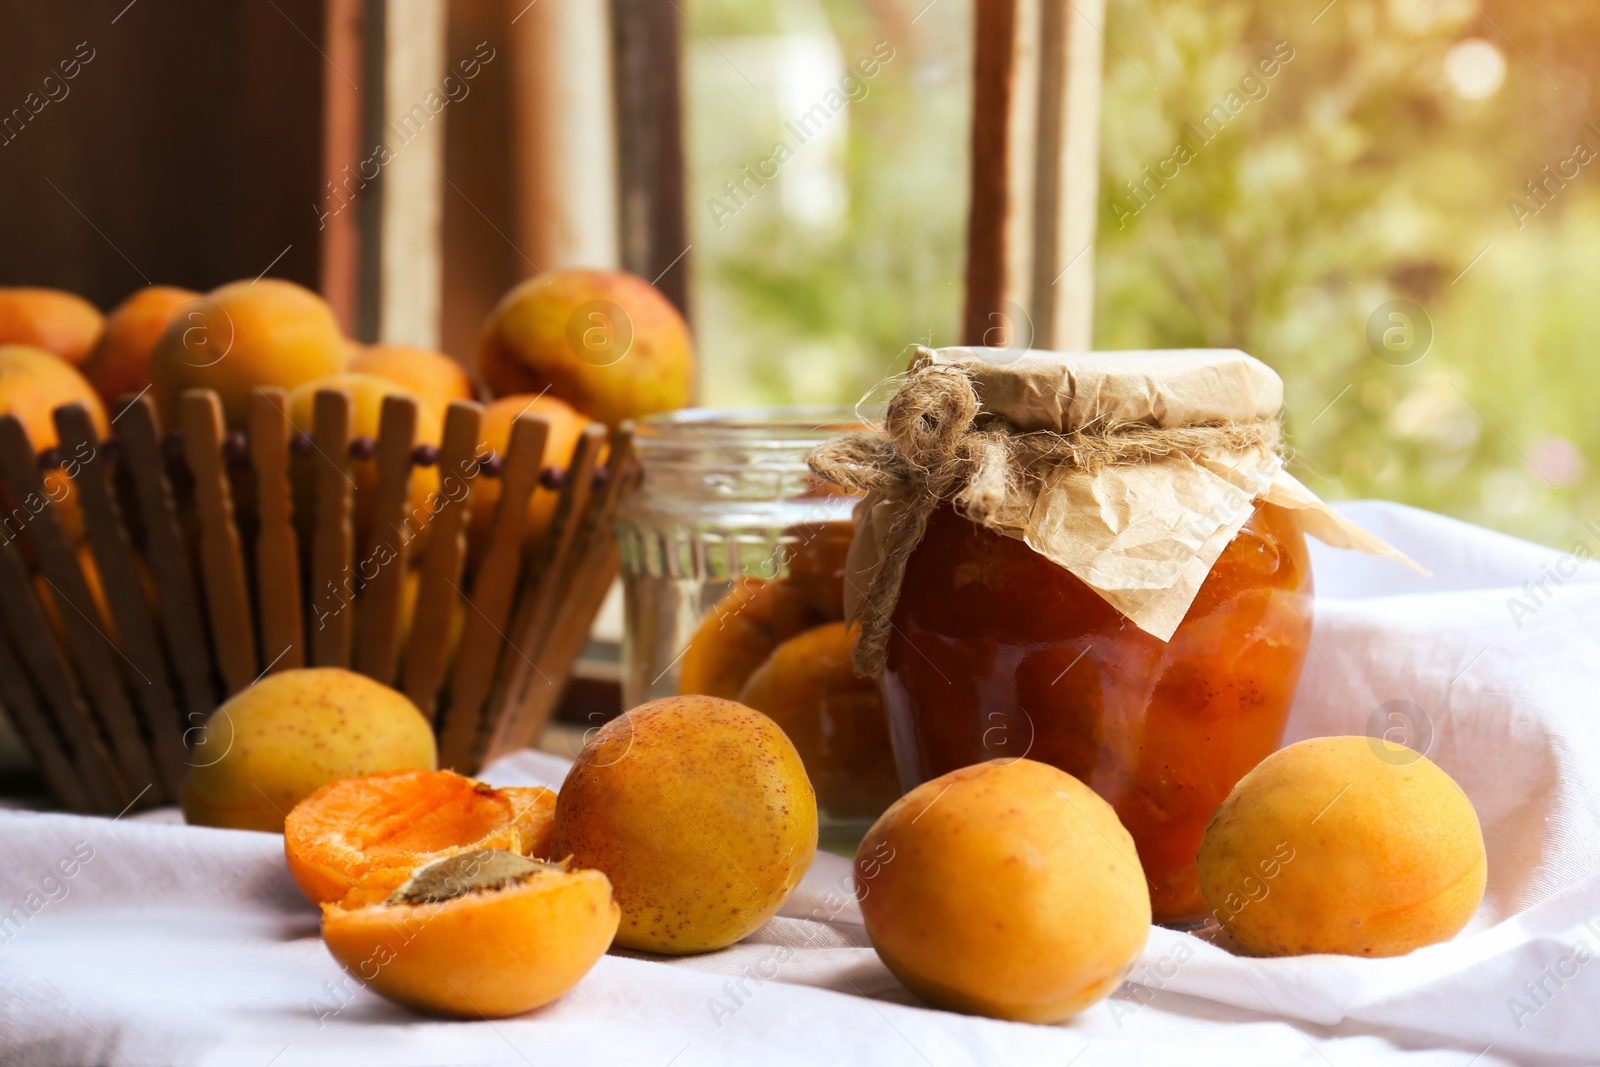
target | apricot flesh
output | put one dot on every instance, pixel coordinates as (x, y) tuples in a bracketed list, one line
[(479, 934), (348, 829), (276, 742), (1349, 845), (835, 719), (738, 634), (700, 813), (606, 342), (1006, 889)]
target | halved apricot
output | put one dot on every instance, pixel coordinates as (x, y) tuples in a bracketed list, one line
[(479, 934), (349, 830)]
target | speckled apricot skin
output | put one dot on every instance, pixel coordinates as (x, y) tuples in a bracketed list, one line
[(554, 333), (1006, 889), (1349, 845), (276, 742), (496, 953), (699, 811)]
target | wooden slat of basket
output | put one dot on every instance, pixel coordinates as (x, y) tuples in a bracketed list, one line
[(139, 430), (50, 758), (489, 604), (277, 551), (443, 562), (333, 538), (549, 578), (29, 634), (91, 649), (572, 583), (119, 577), (383, 564), (221, 554)]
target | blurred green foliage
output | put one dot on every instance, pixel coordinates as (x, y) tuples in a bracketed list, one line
[(1377, 164)]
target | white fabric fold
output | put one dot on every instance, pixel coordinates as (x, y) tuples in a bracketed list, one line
[(174, 945)]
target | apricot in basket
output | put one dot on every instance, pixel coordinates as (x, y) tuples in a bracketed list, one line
[(241, 337), (348, 830), (63, 324), (120, 362), (478, 934)]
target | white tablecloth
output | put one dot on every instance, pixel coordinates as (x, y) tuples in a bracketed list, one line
[(170, 944)]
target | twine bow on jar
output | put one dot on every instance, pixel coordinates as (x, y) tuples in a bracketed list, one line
[(939, 445)]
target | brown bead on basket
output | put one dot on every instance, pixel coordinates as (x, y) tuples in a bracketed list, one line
[(200, 572)]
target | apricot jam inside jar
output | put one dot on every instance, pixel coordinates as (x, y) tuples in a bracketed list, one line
[(1093, 560), (998, 653)]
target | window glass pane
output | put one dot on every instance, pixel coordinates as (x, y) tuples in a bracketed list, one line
[(827, 158), (1395, 203)]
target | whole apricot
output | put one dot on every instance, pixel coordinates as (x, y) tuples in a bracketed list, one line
[(273, 744), (33, 383), (606, 342), (367, 393), (740, 631), (566, 426), (1007, 889), (63, 324), (120, 363), (835, 719), (431, 375), (479, 934), (241, 337), (349, 829), (1351, 845), (699, 812)]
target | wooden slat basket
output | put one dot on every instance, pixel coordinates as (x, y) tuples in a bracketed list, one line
[(204, 579)]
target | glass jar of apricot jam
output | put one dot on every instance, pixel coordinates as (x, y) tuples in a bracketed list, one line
[(996, 652), (733, 567)]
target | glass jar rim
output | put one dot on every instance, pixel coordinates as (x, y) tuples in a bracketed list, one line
[(794, 421)]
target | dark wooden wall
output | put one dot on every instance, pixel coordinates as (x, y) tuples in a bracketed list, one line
[(187, 151), (480, 261), (192, 150)]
